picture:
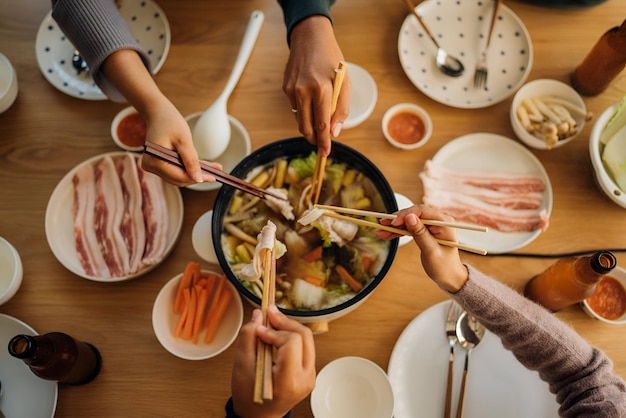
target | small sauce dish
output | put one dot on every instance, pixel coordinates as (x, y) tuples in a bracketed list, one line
[(608, 301), (11, 271), (407, 126), (128, 130), (362, 97), (8, 83)]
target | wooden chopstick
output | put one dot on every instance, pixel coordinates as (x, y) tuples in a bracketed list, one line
[(263, 384), (402, 232), (320, 162), (392, 216), (173, 157)]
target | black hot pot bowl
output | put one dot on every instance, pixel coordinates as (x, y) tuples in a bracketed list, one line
[(294, 148)]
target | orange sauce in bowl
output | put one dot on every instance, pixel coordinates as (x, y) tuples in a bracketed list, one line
[(132, 130), (406, 127), (609, 299)]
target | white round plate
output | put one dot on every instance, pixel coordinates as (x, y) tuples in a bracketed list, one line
[(460, 28), (238, 148), (498, 154), (362, 97), (59, 222), (54, 51), (403, 203), (201, 238), (23, 393), (352, 387), (497, 384), (164, 322)]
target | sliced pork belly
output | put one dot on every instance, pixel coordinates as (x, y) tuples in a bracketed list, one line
[(83, 209), (109, 212), (133, 228), (155, 214)]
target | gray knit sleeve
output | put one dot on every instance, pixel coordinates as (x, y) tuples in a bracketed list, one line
[(578, 374), (96, 29)]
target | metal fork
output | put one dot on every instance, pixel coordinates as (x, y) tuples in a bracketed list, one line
[(454, 311), (480, 74)]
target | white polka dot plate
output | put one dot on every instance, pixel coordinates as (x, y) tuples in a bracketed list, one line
[(460, 27), (54, 51)]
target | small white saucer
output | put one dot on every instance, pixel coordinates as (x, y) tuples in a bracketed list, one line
[(362, 97), (403, 203), (238, 148), (201, 238), (352, 387)]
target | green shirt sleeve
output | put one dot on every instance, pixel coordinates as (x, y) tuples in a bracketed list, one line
[(296, 10)]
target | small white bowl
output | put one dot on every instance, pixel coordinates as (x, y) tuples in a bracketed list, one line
[(618, 274), (8, 83), (115, 125), (164, 322), (11, 272), (352, 387), (603, 180), (403, 203), (547, 88), (363, 96), (202, 238), (238, 148), (417, 112)]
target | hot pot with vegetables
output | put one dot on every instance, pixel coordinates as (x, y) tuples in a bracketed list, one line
[(327, 270)]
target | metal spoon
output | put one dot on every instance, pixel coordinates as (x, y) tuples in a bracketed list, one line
[(448, 64), (79, 63), (469, 332)]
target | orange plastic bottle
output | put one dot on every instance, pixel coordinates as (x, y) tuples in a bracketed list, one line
[(569, 280), (57, 356), (602, 64)]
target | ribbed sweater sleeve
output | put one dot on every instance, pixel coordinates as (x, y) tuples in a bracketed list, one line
[(578, 374), (96, 29), (296, 10)]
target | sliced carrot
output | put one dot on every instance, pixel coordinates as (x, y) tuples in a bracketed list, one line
[(183, 316), (213, 325), (347, 277), (366, 261), (187, 332), (314, 280), (185, 282), (313, 255), (216, 297), (204, 293)]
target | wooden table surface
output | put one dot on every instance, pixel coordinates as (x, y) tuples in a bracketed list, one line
[(46, 133)]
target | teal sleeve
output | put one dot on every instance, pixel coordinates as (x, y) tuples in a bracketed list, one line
[(296, 10)]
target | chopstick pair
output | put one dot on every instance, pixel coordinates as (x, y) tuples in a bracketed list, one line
[(320, 162), (263, 384), (331, 211), (173, 157)]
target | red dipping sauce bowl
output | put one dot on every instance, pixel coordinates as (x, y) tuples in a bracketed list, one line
[(407, 126), (128, 129), (608, 301)]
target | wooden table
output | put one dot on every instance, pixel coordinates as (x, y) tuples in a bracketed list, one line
[(46, 133)]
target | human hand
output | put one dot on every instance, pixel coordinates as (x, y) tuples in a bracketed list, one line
[(308, 81), (293, 372), (441, 263)]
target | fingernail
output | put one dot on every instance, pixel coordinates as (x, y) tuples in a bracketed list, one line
[(198, 177), (337, 129), (410, 220), (256, 314)]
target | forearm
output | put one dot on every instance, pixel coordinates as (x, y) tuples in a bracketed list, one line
[(295, 11), (97, 30), (579, 374)]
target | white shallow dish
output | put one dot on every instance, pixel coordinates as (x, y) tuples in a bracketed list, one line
[(460, 28), (54, 51), (363, 96), (11, 271), (498, 154), (497, 384), (201, 238), (602, 177), (352, 387), (238, 148), (164, 322), (59, 222), (23, 393)]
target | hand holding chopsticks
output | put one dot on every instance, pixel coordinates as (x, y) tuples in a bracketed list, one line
[(263, 385)]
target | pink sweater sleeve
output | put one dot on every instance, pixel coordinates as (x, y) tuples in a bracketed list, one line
[(578, 374)]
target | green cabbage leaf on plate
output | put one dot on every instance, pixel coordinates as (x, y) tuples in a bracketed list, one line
[(613, 138)]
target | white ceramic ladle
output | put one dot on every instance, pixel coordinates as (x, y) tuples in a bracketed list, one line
[(211, 134)]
